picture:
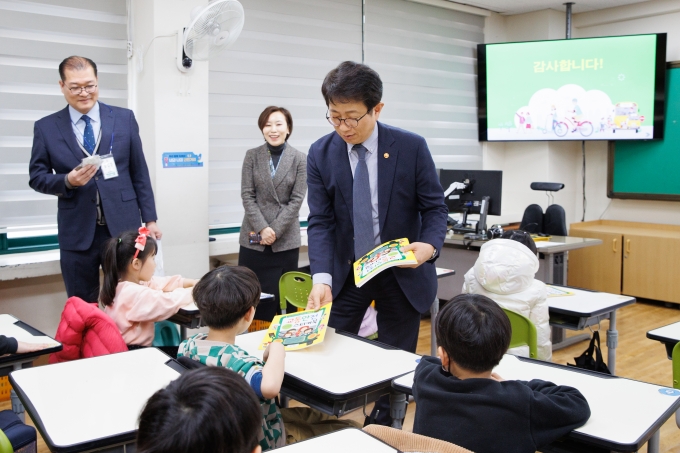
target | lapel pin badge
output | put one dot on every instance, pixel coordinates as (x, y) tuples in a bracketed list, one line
[(386, 155)]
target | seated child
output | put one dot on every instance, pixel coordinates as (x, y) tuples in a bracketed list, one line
[(227, 298), (460, 400), (131, 295), (208, 410), (504, 272)]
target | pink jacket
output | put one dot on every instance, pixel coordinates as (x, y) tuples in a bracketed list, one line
[(137, 306)]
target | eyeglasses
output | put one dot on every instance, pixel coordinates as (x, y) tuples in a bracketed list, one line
[(87, 89), (349, 122)]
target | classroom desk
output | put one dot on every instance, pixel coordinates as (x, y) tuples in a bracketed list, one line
[(12, 327), (459, 253), (90, 404), (625, 414), (190, 318), (668, 335), (342, 373), (342, 441), (583, 309)]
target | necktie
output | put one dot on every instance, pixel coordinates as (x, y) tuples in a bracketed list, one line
[(88, 137), (364, 240)]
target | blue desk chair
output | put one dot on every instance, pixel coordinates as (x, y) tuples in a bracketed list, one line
[(523, 332), (15, 436), (166, 333)]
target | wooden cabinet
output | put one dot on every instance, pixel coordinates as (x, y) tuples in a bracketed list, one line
[(597, 267), (636, 259)]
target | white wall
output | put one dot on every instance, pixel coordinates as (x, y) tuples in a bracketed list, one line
[(172, 111), (526, 162), (661, 16)]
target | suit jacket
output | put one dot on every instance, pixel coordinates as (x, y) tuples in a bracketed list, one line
[(276, 202), (56, 152), (410, 204)]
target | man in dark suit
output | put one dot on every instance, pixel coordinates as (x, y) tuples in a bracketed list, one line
[(94, 203), (369, 183)]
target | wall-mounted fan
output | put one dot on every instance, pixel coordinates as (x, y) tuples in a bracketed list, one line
[(213, 29)]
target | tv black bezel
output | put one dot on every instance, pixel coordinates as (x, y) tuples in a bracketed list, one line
[(659, 89)]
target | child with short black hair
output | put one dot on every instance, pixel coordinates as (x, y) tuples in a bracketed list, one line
[(461, 400), (208, 410), (504, 272), (226, 298)]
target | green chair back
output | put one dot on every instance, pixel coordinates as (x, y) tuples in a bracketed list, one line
[(676, 366), (523, 332), (294, 288), (5, 444), (166, 333)]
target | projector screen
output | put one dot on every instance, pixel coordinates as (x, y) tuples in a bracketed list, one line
[(609, 88)]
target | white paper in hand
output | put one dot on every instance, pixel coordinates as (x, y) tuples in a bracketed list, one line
[(95, 160), (160, 272)]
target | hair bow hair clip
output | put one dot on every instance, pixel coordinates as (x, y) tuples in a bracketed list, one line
[(140, 242)]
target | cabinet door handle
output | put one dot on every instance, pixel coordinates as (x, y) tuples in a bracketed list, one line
[(627, 245), (614, 245)]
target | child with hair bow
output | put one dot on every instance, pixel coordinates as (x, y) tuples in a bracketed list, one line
[(131, 295)]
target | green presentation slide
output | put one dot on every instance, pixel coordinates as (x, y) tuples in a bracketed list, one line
[(581, 89)]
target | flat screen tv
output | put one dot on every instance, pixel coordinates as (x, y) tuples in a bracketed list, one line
[(610, 88)]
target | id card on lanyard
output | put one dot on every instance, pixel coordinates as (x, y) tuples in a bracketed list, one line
[(108, 168)]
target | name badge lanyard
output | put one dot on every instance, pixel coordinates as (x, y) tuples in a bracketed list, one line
[(96, 146), (272, 168)]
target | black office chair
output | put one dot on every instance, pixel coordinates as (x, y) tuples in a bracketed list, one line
[(532, 220), (553, 222)]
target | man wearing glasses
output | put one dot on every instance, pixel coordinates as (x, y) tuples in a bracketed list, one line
[(108, 193), (369, 183)]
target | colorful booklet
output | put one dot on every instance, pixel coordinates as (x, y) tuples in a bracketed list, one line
[(298, 330), (554, 291), (384, 256)]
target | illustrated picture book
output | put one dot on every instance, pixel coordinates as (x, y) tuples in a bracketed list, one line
[(384, 256), (554, 291), (298, 330)]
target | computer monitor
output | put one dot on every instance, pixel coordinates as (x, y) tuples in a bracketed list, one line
[(481, 194)]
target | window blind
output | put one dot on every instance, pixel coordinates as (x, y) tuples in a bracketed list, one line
[(426, 58), (285, 50), (34, 37)]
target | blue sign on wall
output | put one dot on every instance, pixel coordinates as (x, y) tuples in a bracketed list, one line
[(177, 160)]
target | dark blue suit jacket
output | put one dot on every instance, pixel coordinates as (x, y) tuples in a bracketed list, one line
[(410, 204), (56, 152)]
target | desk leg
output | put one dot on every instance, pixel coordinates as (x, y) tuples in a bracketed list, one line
[(550, 268), (654, 442), (612, 342), (17, 407), (434, 309), (397, 408)]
